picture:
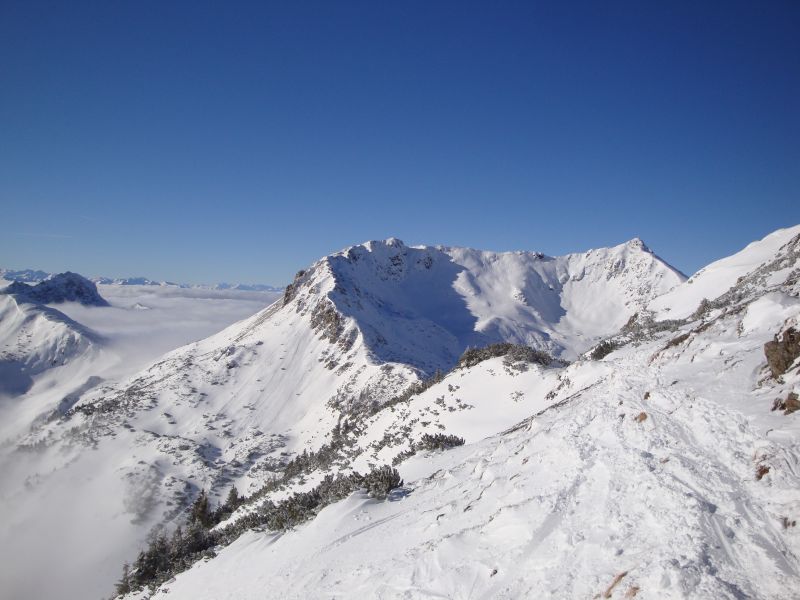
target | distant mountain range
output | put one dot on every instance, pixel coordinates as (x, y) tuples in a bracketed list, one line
[(37, 276)]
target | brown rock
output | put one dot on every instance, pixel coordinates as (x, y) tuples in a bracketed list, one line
[(782, 351)]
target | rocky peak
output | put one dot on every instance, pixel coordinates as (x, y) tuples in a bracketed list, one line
[(64, 287)]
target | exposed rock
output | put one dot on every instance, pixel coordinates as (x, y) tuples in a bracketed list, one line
[(327, 320), (291, 289), (788, 406), (792, 404), (782, 351)]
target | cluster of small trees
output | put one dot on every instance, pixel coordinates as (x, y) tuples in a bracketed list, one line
[(164, 557), (438, 441), (602, 350), (307, 462), (512, 352)]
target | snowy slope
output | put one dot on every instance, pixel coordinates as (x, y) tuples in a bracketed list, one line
[(34, 338), (354, 330), (54, 492), (717, 278), (424, 305), (659, 471)]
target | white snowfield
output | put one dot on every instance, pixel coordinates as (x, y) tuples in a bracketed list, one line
[(636, 478), (629, 476)]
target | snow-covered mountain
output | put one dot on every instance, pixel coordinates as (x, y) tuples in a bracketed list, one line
[(359, 326), (664, 469), (634, 461), (24, 275), (245, 287), (352, 331), (34, 338)]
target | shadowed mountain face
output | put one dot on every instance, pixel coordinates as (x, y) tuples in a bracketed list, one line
[(64, 287), (423, 306), (405, 303)]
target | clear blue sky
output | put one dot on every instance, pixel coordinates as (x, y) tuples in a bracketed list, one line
[(206, 141)]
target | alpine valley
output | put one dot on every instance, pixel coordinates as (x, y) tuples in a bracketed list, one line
[(409, 422)]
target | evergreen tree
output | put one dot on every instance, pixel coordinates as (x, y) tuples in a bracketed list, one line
[(232, 502), (124, 584), (200, 511), (177, 543)]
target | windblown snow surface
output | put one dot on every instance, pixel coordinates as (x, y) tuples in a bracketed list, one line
[(629, 476)]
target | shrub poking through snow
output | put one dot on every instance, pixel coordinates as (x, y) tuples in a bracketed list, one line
[(641, 417), (438, 441), (677, 340), (610, 589), (381, 481), (512, 352)]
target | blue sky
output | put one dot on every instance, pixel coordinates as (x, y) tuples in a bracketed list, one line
[(207, 141)]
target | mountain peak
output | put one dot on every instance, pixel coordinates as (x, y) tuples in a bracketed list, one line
[(63, 287), (637, 244), (424, 305)]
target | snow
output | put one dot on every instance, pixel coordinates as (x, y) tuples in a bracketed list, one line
[(561, 488), (82, 501), (579, 495), (715, 279), (424, 305), (573, 497)]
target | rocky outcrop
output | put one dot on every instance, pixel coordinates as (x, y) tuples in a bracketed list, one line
[(782, 351)]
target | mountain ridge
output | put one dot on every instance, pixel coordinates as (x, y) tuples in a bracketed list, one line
[(658, 465), (321, 372), (57, 289)]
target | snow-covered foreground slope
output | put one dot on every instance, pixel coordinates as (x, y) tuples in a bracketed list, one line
[(659, 471), (557, 508)]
